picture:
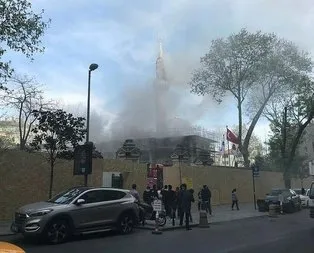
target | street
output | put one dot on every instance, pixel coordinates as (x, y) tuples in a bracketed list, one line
[(287, 234)]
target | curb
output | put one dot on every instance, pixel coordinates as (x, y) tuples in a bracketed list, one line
[(196, 225)]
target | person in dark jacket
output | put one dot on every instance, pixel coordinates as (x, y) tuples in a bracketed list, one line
[(165, 200), (186, 199), (154, 193), (234, 198), (177, 192), (172, 203), (147, 196), (199, 195), (206, 197), (192, 192)]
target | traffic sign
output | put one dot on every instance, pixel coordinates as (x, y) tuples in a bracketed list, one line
[(83, 158)]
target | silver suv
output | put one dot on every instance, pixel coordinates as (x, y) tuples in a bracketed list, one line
[(79, 210)]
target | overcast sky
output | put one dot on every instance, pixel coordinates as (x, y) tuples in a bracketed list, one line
[(122, 37)]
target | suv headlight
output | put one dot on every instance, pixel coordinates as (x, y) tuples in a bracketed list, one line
[(40, 213)]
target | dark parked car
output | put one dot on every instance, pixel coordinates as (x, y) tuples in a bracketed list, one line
[(291, 200), (80, 210)]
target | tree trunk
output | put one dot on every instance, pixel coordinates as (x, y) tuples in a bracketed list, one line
[(51, 177), (245, 154), (22, 144), (245, 146), (288, 162)]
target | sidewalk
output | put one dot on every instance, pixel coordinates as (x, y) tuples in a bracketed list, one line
[(221, 213), (5, 228)]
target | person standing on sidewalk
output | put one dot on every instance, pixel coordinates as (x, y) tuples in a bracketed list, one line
[(235, 200), (165, 200), (135, 193), (147, 196), (206, 196), (186, 202), (172, 203), (199, 204), (192, 192), (178, 196)]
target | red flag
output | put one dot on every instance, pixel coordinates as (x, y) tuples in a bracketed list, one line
[(232, 137)]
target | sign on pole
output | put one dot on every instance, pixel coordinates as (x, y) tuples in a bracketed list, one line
[(255, 171), (83, 158), (157, 205)]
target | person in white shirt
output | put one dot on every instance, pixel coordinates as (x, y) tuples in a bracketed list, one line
[(135, 193)]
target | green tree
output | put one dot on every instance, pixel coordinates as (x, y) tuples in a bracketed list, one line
[(251, 67), (21, 30), (288, 128), (56, 132)]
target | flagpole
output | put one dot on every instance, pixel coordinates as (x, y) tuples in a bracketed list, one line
[(223, 150), (228, 147)]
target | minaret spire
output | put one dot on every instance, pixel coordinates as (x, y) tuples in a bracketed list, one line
[(160, 68), (161, 53)]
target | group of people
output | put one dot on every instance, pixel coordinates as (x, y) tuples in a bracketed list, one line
[(177, 203)]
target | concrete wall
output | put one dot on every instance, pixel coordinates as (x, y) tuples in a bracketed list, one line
[(24, 178)]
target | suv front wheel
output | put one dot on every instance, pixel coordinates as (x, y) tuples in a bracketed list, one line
[(57, 231), (126, 223)]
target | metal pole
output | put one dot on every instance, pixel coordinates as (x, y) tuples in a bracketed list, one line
[(284, 143), (87, 123), (180, 172), (254, 196)]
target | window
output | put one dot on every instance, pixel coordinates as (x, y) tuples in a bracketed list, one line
[(94, 196), (113, 195), (67, 197)]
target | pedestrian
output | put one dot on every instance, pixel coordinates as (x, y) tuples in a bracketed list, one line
[(172, 203), (179, 191), (234, 199), (199, 195), (206, 197), (165, 200), (154, 193), (135, 193), (186, 203), (147, 196), (303, 191), (192, 192)]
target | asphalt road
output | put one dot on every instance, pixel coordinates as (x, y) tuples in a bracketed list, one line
[(287, 234)]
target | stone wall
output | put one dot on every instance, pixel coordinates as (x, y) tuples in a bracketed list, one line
[(24, 178)]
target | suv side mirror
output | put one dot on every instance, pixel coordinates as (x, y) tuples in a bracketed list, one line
[(80, 202)]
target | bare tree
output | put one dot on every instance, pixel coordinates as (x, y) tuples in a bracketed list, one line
[(25, 95)]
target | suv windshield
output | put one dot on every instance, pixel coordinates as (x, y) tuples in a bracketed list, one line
[(67, 197)]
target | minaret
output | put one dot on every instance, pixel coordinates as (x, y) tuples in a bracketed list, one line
[(161, 90)]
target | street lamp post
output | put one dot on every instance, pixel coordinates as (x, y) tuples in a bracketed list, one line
[(92, 67)]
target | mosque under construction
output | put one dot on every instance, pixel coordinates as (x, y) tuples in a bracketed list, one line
[(200, 144)]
